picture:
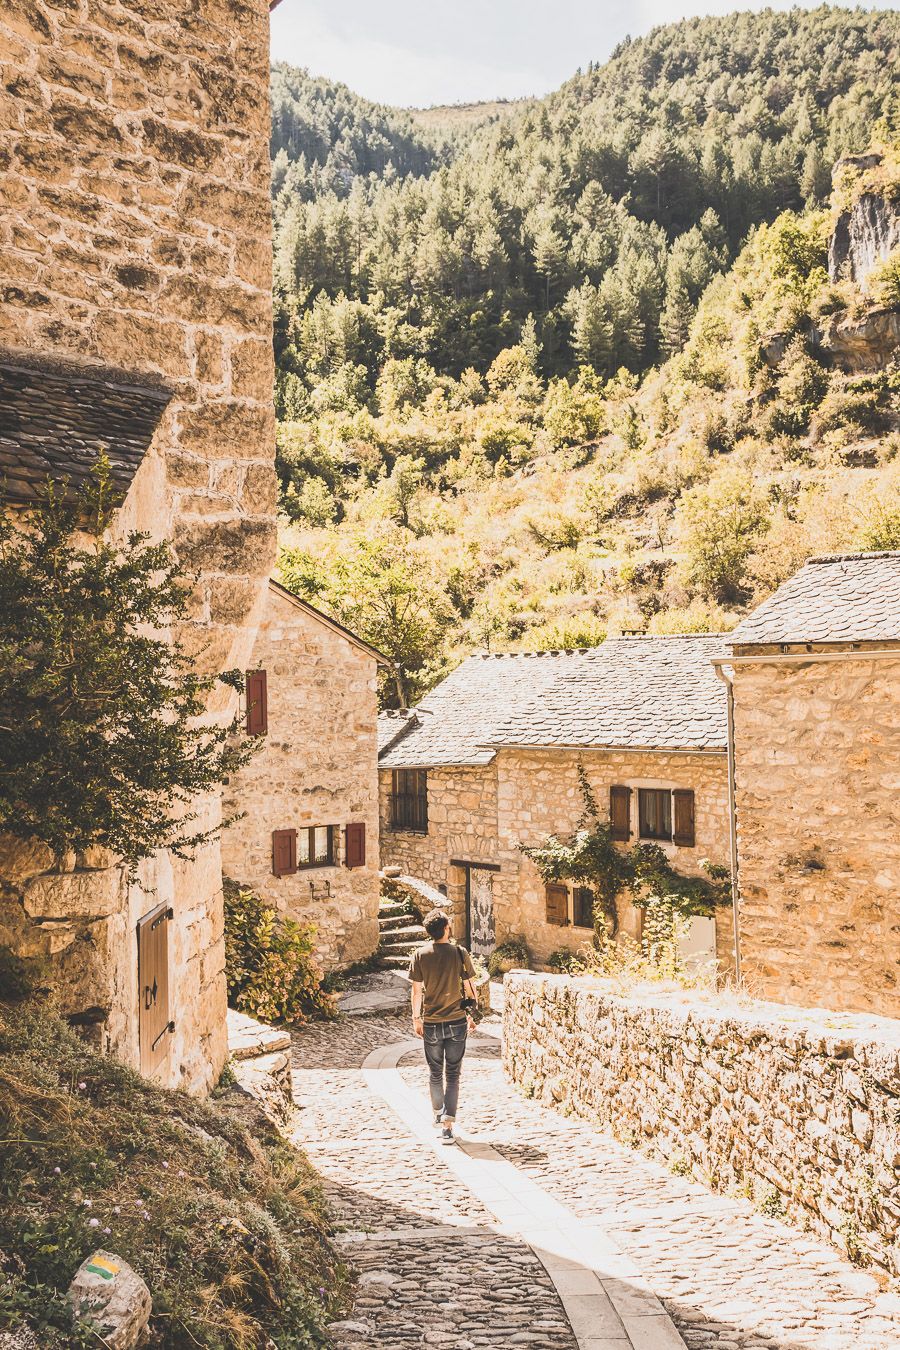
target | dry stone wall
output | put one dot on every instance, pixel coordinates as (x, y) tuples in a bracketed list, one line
[(818, 810), (798, 1110), (317, 765)]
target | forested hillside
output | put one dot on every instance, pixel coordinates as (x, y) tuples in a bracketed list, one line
[(504, 419)]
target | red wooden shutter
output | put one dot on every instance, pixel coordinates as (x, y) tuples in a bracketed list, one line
[(154, 1024), (355, 845), (257, 703), (620, 813), (557, 901), (284, 852), (684, 832)]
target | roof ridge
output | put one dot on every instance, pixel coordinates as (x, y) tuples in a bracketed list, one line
[(653, 637), (873, 555)]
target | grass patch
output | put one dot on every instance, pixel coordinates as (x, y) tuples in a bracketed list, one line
[(228, 1228)]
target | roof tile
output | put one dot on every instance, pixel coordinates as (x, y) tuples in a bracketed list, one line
[(843, 598)]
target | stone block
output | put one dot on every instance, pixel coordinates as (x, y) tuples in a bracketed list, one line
[(111, 1298), (75, 895)]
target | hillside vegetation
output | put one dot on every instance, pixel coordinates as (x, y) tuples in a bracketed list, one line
[(573, 380)]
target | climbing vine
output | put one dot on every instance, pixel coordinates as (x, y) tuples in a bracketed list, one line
[(589, 857)]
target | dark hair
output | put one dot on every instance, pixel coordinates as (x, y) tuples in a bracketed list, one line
[(436, 923)]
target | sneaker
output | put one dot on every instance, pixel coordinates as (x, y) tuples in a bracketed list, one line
[(447, 1135), (439, 1118)]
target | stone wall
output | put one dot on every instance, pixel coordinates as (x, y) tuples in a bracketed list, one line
[(795, 1110), (818, 809), (483, 814), (135, 234), (316, 766), (538, 794)]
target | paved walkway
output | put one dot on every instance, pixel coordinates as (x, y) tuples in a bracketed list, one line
[(541, 1232)]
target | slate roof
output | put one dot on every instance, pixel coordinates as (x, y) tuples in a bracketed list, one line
[(637, 692), (56, 421), (851, 597), (393, 725), (456, 718)]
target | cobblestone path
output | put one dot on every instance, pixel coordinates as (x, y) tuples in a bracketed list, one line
[(437, 1268)]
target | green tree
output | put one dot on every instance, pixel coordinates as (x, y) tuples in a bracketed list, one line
[(721, 522), (100, 742)]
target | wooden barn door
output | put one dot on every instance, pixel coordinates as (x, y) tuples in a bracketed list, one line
[(155, 1024)]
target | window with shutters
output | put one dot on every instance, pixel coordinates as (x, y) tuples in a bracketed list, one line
[(655, 813), (409, 800), (583, 907), (155, 1026), (316, 846), (284, 852), (557, 902), (355, 845), (620, 813), (257, 703)]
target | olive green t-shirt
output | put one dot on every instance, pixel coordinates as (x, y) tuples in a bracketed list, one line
[(437, 966)]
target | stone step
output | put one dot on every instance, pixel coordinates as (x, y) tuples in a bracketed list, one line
[(386, 924), (395, 962), (404, 949), (393, 907), (405, 931), (248, 1038)]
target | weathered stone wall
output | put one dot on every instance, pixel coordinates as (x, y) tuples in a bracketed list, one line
[(316, 766), (818, 809), (796, 1110), (483, 814), (538, 794), (135, 233)]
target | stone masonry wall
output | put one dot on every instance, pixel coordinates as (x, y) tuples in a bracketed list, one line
[(483, 814), (462, 824), (818, 809), (316, 766), (796, 1110), (135, 233), (538, 794)]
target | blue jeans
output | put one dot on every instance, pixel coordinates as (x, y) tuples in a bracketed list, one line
[(445, 1045)]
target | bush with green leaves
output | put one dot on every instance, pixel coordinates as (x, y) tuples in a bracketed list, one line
[(270, 965), (100, 737), (510, 954)]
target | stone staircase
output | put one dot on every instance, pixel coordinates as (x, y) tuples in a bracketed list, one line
[(401, 934)]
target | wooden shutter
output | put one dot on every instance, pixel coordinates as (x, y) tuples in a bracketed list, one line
[(154, 1023), (284, 852), (355, 845), (257, 703), (557, 900), (620, 813), (684, 833)]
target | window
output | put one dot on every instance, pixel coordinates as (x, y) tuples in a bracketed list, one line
[(409, 800), (315, 846), (655, 813), (583, 907)]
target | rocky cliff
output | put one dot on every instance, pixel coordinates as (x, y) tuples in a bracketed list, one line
[(866, 231)]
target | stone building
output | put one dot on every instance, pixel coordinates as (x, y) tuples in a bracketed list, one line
[(489, 761), (308, 838), (136, 319), (816, 688)]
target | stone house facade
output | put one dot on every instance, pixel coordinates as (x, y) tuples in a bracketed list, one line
[(816, 690), (489, 761), (136, 320), (308, 838)]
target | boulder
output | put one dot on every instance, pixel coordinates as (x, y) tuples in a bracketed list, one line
[(112, 1299)]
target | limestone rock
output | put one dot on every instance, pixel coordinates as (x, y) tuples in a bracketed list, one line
[(113, 1299), (863, 237)]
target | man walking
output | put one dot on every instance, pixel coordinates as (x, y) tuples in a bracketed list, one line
[(442, 975)]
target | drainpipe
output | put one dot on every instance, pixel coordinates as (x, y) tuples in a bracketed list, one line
[(728, 681)]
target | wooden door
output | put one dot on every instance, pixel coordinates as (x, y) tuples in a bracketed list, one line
[(480, 910), (154, 1021)]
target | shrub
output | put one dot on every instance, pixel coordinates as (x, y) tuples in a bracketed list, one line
[(269, 962), (884, 282), (565, 961), (101, 742), (721, 522), (510, 954), (227, 1229)]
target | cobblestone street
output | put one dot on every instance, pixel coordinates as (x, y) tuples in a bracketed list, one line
[(541, 1232)]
